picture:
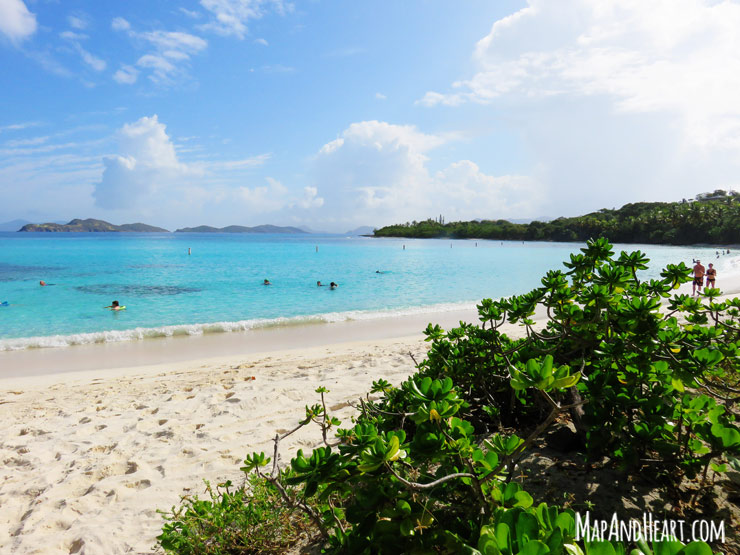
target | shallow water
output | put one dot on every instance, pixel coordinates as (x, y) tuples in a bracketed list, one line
[(219, 287)]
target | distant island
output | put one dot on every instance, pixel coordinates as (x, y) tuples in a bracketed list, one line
[(91, 225), (712, 218), (362, 230), (240, 229)]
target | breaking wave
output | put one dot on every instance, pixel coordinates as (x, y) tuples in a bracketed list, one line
[(114, 336)]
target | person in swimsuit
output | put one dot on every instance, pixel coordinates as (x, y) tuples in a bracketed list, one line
[(114, 306), (698, 277), (711, 275), (333, 285)]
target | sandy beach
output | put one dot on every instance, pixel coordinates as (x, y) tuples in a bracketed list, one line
[(96, 439)]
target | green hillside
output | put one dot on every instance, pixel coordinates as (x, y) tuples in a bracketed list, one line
[(710, 218), (91, 225)]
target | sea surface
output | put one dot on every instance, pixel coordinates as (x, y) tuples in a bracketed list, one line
[(219, 287)]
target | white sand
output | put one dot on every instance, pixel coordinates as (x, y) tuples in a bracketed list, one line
[(89, 456)]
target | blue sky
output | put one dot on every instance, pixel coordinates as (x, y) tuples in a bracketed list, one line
[(336, 114)]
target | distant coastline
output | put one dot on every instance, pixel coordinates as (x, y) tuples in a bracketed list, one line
[(91, 225), (710, 219)]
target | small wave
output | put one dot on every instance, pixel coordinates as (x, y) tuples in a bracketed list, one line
[(115, 336), (729, 266)]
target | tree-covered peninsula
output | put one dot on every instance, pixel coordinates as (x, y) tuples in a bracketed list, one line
[(92, 225), (709, 218)]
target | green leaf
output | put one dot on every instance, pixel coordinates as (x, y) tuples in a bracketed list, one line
[(534, 547), (696, 548), (599, 548)]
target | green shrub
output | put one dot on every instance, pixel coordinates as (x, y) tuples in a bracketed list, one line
[(249, 519)]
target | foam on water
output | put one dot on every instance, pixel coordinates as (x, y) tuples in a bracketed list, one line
[(114, 336)]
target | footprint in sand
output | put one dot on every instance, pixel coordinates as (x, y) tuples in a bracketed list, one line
[(140, 484)]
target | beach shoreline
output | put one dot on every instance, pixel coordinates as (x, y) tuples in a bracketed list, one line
[(91, 454)]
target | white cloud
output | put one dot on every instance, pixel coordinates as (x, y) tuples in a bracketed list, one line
[(230, 17), (162, 69), (127, 75), (168, 61), (19, 126), (16, 22), (379, 172), (146, 178), (71, 35), (120, 24), (168, 41), (380, 96), (263, 42), (147, 163), (93, 61), (27, 142), (253, 162), (617, 100), (79, 22), (192, 14)]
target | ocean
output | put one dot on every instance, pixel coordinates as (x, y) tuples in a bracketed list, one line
[(219, 287)]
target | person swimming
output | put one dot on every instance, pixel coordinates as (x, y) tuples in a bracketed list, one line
[(115, 306), (333, 285), (266, 282), (42, 283), (319, 284)]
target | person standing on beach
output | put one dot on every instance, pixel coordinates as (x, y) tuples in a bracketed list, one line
[(711, 275), (698, 277)]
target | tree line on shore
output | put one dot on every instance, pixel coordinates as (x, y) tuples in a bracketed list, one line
[(710, 218)]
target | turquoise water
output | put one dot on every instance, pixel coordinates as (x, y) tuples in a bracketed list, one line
[(219, 287)]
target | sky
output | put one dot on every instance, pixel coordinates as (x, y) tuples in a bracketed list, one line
[(332, 114)]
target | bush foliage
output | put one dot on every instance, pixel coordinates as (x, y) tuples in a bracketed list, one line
[(644, 375)]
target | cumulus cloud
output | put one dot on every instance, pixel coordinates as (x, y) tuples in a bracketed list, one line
[(147, 162), (380, 172), (147, 177), (230, 17), (615, 98), (16, 22)]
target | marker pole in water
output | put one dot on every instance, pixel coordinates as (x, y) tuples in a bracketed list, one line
[(188, 251), (317, 248)]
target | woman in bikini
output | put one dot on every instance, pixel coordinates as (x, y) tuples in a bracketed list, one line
[(711, 275)]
